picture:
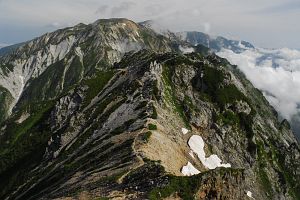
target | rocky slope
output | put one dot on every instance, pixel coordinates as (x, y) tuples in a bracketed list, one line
[(251, 59), (112, 110), (61, 59)]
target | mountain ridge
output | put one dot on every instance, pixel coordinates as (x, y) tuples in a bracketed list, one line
[(118, 120), (251, 59)]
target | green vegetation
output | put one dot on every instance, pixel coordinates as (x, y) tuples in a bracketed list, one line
[(147, 37), (212, 78), (287, 175), (229, 94), (246, 123), (38, 90), (179, 60), (229, 118), (186, 187), (155, 90), (264, 179), (16, 131), (55, 81), (170, 93), (189, 103), (73, 74), (146, 136), (23, 146), (215, 88), (152, 127), (154, 112), (96, 84)]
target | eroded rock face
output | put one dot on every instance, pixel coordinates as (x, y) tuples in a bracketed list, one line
[(122, 131), (220, 186), (69, 55)]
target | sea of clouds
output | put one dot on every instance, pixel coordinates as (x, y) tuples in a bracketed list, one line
[(276, 72), (2, 45)]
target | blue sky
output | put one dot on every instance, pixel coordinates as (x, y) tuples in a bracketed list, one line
[(265, 23)]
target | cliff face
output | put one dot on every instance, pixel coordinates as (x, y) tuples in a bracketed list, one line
[(53, 63), (94, 118)]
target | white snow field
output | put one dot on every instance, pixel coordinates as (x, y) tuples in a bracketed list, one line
[(189, 170), (196, 143)]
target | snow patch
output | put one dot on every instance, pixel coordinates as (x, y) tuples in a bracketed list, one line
[(249, 194), (189, 170), (184, 131), (196, 143), (186, 49)]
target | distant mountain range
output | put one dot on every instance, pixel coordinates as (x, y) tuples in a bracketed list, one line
[(6, 49), (215, 43)]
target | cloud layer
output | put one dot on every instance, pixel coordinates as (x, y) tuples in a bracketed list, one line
[(275, 72), (264, 22)]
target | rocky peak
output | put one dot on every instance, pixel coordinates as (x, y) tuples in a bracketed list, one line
[(84, 47)]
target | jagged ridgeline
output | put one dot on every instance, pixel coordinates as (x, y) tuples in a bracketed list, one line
[(113, 110)]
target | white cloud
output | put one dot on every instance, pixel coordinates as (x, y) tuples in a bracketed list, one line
[(207, 27), (3, 44), (233, 18), (276, 72)]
